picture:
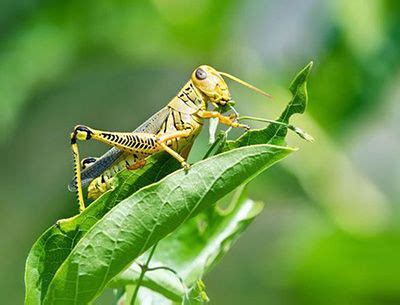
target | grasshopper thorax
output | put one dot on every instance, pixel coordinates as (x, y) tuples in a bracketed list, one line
[(211, 84)]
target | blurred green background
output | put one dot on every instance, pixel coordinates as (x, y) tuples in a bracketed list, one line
[(330, 232)]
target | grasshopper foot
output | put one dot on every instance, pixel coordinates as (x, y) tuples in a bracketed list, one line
[(185, 165), (62, 224), (246, 127), (238, 125)]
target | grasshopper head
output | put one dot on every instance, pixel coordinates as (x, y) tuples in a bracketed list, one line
[(211, 84)]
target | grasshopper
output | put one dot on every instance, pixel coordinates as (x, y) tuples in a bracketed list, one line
[(173, 129)]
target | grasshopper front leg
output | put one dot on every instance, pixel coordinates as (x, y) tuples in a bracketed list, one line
[(229, 121)]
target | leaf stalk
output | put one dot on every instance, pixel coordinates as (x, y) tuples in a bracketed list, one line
[(143, 268)]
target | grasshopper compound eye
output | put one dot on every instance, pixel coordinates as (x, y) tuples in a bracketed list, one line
[(201, 74)]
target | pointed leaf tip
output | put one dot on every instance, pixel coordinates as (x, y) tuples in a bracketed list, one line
[(300, 78)]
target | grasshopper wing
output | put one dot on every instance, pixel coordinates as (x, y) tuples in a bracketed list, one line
[(151, 125)]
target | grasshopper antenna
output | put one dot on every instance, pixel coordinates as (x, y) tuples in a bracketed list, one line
[(238, 80)]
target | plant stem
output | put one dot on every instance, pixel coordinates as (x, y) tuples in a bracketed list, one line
[(144, 268), (214, 145), (175, 273)]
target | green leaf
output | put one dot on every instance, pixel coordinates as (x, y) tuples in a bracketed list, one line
[(149, 215), (276, 133), (192, 250), (55, 245)]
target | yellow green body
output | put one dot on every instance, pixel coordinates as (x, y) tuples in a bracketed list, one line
[(181, 115)]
